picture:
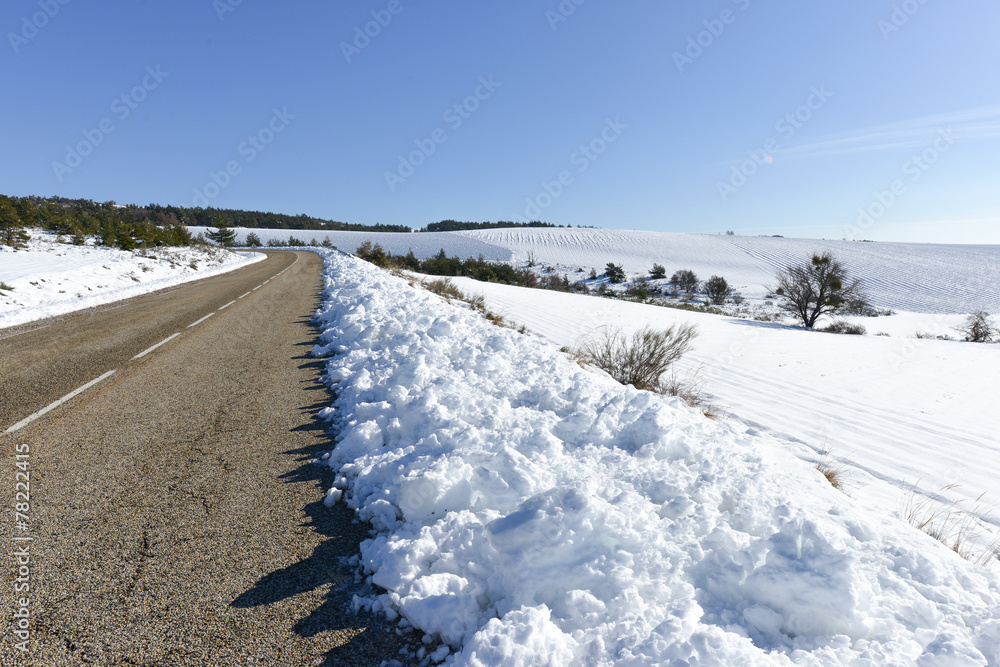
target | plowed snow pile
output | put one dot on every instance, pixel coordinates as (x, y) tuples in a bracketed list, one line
[(527, 511)]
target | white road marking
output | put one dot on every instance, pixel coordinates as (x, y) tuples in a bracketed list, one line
[(256, 288), (200, 321), (27, 420), (227, 305), (247, 294), (162, 342)]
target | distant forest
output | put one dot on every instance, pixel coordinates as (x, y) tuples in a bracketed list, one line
[(455, 225), (160, 225)]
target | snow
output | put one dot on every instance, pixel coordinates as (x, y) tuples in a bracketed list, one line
[(50, 278), (423, 244), (528, 511), (903, 276), (921, 278), (900, 412)]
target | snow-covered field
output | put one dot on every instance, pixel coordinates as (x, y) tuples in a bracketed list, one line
[(918, 278), (528, 511), (424, 244), (50, 278)]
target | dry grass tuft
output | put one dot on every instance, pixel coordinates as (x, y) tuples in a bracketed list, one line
[(444, 288), (958, 529), (834, 471)]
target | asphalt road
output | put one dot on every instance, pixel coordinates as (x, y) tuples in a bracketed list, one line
[(175, 517)]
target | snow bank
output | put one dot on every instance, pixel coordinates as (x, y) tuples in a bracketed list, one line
[(50, 278), (526, 511)]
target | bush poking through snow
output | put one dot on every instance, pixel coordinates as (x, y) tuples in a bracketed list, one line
[(718, 290), (639, 360), (978, 328), (658, 272), (845, 327), (444, 287), (686, 280)]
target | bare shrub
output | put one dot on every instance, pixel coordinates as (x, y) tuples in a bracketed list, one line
[(845, 327), (639, 360), (685, 280), (638, 290), (978, 328)]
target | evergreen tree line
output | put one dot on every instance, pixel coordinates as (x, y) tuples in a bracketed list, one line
[(125, 227), (42, 211), (442, 265), (455, 226)]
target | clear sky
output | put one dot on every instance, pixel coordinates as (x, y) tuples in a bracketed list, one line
[(783, 117)]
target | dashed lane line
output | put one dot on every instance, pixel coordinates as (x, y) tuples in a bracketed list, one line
[(162, 342), (200, 321), (27, 420), (30, 418)]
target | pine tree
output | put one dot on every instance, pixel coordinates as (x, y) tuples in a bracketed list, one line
[(11, 228), (615, 273), (222, 235)]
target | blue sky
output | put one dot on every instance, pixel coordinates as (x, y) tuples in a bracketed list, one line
[(858, 119)]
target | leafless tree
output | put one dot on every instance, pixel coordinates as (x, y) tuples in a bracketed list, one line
[(823, 285), (978, 328)]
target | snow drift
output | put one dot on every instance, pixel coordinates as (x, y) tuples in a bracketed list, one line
[(527, 511)]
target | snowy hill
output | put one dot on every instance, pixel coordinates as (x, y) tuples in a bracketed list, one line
[(904, 277)]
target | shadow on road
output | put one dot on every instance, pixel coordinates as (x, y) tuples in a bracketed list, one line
[(374, 639)]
